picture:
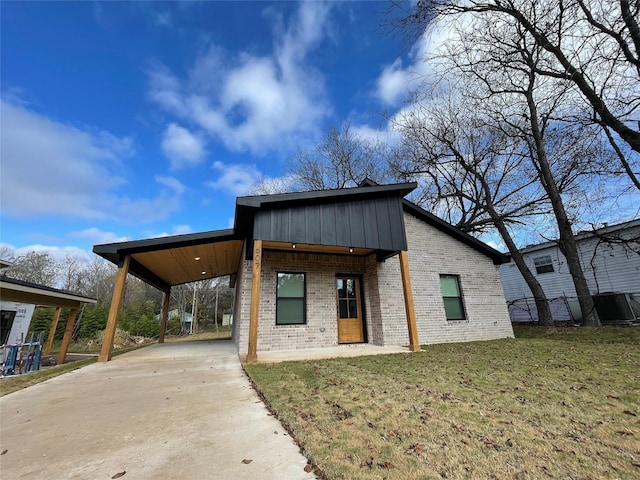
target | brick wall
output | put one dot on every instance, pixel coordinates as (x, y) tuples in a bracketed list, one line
[(431, 253), (321, 329)]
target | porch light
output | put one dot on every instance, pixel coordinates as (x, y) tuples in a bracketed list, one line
[(350, 249), (204, 273), (293, 245), (197, 258)]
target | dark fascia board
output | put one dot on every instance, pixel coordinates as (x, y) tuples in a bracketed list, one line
[(259, 201), (140, 271), (497, 257), (246, 206), (56, 293), (111, 251)]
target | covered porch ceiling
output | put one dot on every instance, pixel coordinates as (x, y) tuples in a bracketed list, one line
[(308, 248), (175, 260)]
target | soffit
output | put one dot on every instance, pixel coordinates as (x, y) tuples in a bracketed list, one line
[(192, 263)]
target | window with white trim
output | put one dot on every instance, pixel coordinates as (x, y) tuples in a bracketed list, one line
[(543, 264)]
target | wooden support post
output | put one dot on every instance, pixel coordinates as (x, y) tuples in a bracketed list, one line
[(116, 302), (52, 332), (414, 344), (165, 315), (252, 355), (68, 331)]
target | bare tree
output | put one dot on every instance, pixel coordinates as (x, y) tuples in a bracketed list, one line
[(478, 172), (341, 159), (36, 267), (498, 64), (7, 253), (591, 45), (71, 272), (97, 279)]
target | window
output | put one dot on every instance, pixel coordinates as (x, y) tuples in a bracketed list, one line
[(543, 264), (290, 299), (452, 297)]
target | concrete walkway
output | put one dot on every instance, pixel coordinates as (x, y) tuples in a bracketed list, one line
[(172, 411), (339, 351)]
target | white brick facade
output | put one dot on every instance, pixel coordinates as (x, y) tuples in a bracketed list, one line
[(431, 253)]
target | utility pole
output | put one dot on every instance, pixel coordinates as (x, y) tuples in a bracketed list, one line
[(194, 309), (215, 312)]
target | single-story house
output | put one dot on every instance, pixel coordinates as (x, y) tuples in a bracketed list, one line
[(610, 258), (323, 268)]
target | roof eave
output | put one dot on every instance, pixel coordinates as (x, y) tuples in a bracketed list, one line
[(497, 257)]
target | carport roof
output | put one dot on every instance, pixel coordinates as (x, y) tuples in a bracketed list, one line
[(14, 290), (167, 261)]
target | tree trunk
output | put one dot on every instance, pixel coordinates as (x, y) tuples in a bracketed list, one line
[(568, 245), (545, 318), (542, 305)]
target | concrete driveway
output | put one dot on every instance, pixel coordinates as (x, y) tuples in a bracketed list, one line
[(171, 411)]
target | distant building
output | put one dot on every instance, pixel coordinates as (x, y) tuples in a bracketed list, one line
[(610, 258), (186, 319)]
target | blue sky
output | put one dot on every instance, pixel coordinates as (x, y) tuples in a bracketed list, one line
[(131, 120)]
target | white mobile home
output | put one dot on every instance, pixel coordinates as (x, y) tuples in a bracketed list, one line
[(610, 259)]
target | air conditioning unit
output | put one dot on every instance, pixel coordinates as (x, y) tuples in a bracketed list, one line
[(617, 308)]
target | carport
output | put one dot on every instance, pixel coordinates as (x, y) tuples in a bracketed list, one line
[(166, 262), (13, 290)]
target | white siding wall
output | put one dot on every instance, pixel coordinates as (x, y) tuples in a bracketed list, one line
[(613, 268)]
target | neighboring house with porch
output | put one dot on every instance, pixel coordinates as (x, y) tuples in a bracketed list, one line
[(18, 300), (610, 258), (323, 268)]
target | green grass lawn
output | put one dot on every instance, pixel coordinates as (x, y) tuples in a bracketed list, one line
[(552, 403)]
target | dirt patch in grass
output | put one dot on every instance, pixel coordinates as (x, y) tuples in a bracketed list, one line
[(204, 336), (563, 405)]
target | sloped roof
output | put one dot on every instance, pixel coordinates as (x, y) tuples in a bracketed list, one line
[(584, 235), (177, 259), (497, 257), (174, 260), (14, 290)]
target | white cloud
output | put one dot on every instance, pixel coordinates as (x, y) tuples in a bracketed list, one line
[(59, 254), (399, 79), (393, 83), (97, 236), (182, 147), (166, 90), (235, 178), (249, 102), (273, 185), (163, 19), (53, 169), (181, 229), (173, 183)]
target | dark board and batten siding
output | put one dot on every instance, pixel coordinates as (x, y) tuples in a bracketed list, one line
[(375, 223)]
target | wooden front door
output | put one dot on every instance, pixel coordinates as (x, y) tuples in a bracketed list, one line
[(350, 320)]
